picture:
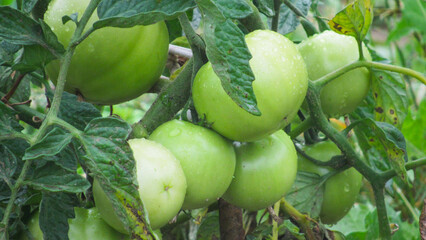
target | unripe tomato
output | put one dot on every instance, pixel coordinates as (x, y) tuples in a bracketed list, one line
[(87, 225), (265, 171), (280, 86), (207, 159), (326, 52), (341, 190), (162, 185), (112, 65)]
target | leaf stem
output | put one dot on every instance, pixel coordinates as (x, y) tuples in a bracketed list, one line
[(302, 219), (385, 176), (324, 80), (276, 17), (406, 202), (305, 125), (384, 228), (193, 38), (294, 8), (274, 222)]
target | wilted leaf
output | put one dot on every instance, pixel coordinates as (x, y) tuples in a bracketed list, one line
[(354, 20), (111, 161), (390, 97)]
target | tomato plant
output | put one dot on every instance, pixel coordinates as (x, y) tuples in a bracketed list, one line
[(280, 86), (235, 70), (207, 159), (86, 225), (265, 171), (325, 52), (341, 190), (162, 185), (112, 65)]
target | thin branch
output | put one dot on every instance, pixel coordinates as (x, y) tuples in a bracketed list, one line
[(6, 98), (180, 51)]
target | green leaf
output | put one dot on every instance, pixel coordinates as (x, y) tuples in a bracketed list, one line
[(8, 164), (228, 53), (8, 123), (55, 210), (28, 5), (18, 28), (209, 227), (75, 112), (54, 178), (33, 58), (288, 20), (355, 20), (49, 145), (390, 139), (66, 159), (414, 127), (266, 7), (391, 101), (306, 194), (128, 13), (111, 161), (234, 9), (413, 14), (7, 52)]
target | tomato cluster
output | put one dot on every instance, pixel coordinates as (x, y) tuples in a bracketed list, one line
[(247, 160)]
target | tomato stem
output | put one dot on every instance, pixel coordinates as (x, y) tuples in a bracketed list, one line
[(305, 125), (302, 219), (275, 18), (275, 223), (167, 104)]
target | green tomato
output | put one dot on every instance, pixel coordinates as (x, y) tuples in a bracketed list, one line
[(162, 185), (341, 190), (207, 159), (280, 85), (265, 171), (87, 225), (112, 65), (326, 52)]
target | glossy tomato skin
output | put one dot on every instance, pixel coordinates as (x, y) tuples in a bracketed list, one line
[(326, 52), (280, 86), (162, 185), (207, 159), (112, 65), (87, 225), (341, 190), (265, 171)]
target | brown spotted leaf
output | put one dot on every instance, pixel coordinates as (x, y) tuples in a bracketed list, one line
[(390, 97), (390, 139), (354, 20), (111, 162)]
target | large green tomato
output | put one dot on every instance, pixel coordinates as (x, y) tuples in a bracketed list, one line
[(280, 85), (87, 225), (326, 52), (207, 159), (112, 65), (162, 185), (265, 171), (341, 190)]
